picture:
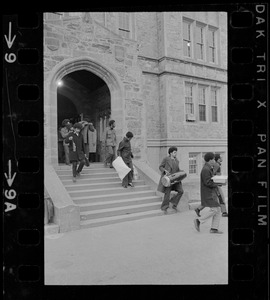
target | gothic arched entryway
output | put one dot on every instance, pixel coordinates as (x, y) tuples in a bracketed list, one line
[(84, 95), (78, 100)]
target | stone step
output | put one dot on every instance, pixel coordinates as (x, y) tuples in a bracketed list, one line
[(99, 185), (87, 170), (118, 211), (88, 176), (92, 165), (111, 197), (107, 191), (119, 203), (87, 180), (120, 218)]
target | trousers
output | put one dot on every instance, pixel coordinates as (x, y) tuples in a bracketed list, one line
[(175, 199), (215, 214), (75, 171)]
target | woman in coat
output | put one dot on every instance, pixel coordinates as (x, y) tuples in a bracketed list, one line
[(209, 195)]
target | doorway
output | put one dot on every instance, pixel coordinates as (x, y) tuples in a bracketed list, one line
[(83, 95)]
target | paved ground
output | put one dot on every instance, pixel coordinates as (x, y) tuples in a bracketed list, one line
[(160, 250)]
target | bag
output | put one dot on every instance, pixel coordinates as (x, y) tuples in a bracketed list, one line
[(121, 168)]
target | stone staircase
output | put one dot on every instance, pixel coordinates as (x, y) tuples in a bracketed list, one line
[(102, 199)]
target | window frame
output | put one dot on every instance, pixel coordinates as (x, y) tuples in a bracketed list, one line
[(214, 89), (194, 154), (202, 104), (187, 40), (200, 42), (124, 26), (189, 86), (212, 45)]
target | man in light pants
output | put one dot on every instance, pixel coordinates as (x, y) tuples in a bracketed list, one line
[(209, 196)]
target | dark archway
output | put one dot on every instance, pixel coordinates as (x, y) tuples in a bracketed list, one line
[(82, 94)]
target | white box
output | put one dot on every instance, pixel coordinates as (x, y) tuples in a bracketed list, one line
[(221, 179)]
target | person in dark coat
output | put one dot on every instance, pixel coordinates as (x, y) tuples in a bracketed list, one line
[(169, 166), (209, 195), (124, 150), (76, 150), (216, 171)]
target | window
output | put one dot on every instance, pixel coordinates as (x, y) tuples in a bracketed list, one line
[(193, 164), (189, 105), (212, 45), (124, 24), (187, 38), (202, 103), (214, 107), (199, 42)]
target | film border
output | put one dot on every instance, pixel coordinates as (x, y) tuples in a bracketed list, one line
[(248, 157)]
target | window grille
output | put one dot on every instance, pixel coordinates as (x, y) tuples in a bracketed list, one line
[(200, 42), (189, 105), (124, 24), (187, 38), (193, 164), (214, 105), (212, 45), (202, 104)]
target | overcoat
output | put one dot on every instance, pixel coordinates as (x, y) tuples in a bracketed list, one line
[(166, 164), (209, 196), (92, 141), (76, 146)]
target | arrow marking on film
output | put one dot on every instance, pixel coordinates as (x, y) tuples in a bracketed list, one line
[(9, 40), (9, 178)]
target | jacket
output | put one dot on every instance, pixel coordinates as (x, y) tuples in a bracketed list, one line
[(124, 150), (76, 146), (208, 188), (110, 137), (167, 165)]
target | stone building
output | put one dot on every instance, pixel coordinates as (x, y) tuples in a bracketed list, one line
[(161, 75)]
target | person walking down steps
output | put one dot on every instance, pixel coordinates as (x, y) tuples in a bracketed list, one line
[(124, 150), (76, 150)]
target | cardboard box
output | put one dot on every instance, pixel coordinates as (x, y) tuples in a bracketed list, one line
[(221, 179)]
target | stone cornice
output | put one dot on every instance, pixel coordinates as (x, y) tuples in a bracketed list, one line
[(186, 143), (158, 60)]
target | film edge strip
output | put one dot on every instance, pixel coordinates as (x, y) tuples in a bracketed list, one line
[(241, 236)]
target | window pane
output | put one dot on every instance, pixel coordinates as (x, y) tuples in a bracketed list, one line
[(193, 167)]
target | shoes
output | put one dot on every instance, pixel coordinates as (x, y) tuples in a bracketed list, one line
[(171, 211), (111, 167), (212, 230), (168, 211), (175, 208), (197, 224), (131, 184), (74, 179), (224, 214), (197, 211)]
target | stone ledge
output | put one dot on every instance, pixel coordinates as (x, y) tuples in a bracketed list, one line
[(66, 212)]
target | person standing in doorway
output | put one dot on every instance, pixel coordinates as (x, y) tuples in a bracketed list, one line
[(86, 133), (110, 144), (92, 145), (209, 195), (124, 150), (76, 150), (169, 166), (66, 126)]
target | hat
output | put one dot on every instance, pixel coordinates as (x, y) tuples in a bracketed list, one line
[(217, 156), (78, 125), (208, 156), (65, 122)]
